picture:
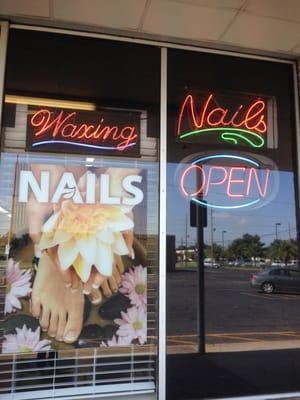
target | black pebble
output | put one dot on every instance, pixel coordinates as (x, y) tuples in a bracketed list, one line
[(86, 309), (17, 321), (109, 331), (112, 308), (91, 336)]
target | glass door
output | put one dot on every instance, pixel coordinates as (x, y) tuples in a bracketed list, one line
[(232, 209)]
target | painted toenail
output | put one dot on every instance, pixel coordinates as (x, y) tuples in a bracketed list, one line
[(95, 286), (70, 337), (132, 254), (86, 291), (96, 301)]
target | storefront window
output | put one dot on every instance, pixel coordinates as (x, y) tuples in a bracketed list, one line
[(79, 212)]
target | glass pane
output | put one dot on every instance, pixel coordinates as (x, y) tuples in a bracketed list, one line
[(231, 157), (79, 213)]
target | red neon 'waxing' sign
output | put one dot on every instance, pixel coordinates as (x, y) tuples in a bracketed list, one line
[(236, 123), (92, 131)]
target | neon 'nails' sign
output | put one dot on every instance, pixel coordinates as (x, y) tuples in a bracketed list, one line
[(241, 124), (228, 181), (106, 130)]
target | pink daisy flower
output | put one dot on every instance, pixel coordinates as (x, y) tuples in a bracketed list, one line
[(17, 285), (115, 342), (25, 341), (134, 286), (133, 325)]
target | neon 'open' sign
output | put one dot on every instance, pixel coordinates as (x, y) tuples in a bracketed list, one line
[(228, 181)]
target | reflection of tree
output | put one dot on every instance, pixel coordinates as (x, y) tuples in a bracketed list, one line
[(283, 250), (217, 251), (247, 247)]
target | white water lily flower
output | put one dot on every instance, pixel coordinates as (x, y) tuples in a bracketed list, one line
[(17, 285), (87, 235)]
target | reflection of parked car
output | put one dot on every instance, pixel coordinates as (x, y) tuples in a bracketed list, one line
[(212, 265), (208, 263), (276, 279), (293, 263), (277, 264)]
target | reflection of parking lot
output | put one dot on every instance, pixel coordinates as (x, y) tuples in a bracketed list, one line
[(237, 317)]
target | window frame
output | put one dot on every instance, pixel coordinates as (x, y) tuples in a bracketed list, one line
[(161, 387)]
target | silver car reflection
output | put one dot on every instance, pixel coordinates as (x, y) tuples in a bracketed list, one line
[(276, 279)]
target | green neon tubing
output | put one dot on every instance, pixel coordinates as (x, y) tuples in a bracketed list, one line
[(229, 139), (235, 132)]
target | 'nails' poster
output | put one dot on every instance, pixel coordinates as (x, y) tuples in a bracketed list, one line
[(76, 274)]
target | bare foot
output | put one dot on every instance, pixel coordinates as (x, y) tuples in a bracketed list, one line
[(59, 308)]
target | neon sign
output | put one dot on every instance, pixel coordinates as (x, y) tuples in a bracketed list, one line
[(238, 124), (114, 131), (228, 181)]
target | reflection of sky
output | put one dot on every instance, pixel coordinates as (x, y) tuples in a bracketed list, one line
[(261, 221)]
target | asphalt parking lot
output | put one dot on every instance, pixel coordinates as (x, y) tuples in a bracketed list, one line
[(237, 316)]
